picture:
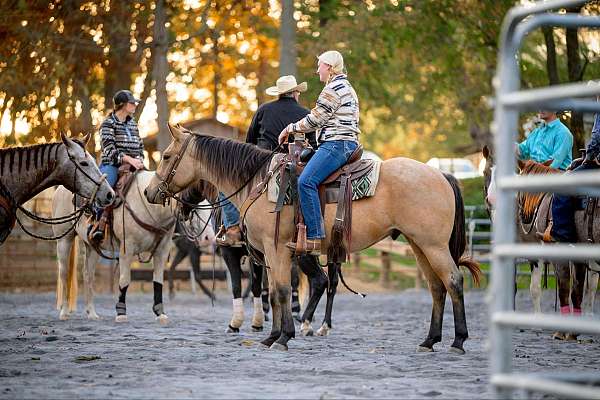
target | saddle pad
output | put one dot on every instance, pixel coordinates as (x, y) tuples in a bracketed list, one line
[(361, 188)]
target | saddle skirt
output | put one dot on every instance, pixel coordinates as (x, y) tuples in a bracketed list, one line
[(362, 186)]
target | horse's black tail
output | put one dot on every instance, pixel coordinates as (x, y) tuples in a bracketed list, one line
[(458, 239)]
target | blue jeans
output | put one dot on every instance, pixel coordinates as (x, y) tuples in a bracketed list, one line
[(112, 175), (563, 213), (329, 157), (230, 214)]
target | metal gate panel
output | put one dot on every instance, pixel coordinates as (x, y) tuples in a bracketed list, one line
[(508, 103)]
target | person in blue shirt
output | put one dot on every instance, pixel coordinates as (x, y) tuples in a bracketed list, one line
[(551, 141), (562, 228)]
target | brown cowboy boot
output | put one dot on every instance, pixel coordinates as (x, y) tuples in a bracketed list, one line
[(313, 247), (547, 235), (97, 232), (232, 237)]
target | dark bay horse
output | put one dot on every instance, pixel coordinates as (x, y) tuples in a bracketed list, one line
[(411, 198)]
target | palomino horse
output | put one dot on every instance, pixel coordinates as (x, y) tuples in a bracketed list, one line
[(129, 238), (533, 216), (412, 198), (26, 171)]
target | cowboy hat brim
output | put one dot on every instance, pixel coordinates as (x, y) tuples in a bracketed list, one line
[(274, 91)]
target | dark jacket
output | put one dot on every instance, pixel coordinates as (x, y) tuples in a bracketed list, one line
[(271, 118), (593, 147)]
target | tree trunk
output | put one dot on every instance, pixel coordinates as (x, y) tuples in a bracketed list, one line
[(551, 66), (574, 70), (161, 69), (287, 43)]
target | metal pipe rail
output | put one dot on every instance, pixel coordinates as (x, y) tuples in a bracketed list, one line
[(535, 383), (509, 101), (586, 183)]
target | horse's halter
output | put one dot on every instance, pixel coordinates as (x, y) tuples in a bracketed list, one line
[(163, 186)]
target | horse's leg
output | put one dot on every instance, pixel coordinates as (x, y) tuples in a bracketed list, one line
[(579, 273), (258, 316), (591, 285), (295, 282), (438, 296), (562, 271), (332, 269), (179, 256), (89, 269), (159, 260), (318, 284), (282, 329), (442, 263), (535, 286), (125, 260), (63, 251), (195, 255), (265, 294), (233, 263)]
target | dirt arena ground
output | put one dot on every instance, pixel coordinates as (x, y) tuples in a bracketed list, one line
[(369, 354)]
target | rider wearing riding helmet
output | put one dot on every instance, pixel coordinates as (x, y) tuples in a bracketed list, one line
[(121, 143), (335, 117)]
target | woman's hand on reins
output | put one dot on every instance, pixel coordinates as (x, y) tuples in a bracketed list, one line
[(283, 135)]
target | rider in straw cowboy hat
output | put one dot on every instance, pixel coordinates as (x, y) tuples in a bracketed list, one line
[(267, 123), (335, 117)]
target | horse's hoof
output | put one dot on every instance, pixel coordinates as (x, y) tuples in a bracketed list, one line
[(63, 317), (257, 328), (457, 350), (323, 331), (279, 346), (93, 316), (231, 329), (121, 318), (423, 349), (558, 336), (307, 332), (571, 337), (163, 319)]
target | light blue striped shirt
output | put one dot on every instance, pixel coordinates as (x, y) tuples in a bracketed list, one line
[(551, 141)]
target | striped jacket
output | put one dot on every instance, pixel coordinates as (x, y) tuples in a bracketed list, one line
[(335, 117), (120, 138)]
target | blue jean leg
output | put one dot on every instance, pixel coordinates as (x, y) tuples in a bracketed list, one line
[(330, 156), (112, 175), (231, 215), (563, 213)]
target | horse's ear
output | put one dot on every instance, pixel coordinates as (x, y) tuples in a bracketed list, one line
[(65, 139), (521, 164), (548, 162), (86, 138), (486, 152), (175, 132)]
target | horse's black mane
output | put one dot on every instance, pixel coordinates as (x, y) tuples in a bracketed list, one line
[(235, 161), (35, 155)]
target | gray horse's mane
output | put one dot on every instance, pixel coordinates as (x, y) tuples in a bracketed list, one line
[(36, 156), (234, 161)]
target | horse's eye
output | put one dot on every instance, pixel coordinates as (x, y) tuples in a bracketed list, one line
[(84, 163), (166, 157)]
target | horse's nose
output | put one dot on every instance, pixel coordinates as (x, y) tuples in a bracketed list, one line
[(146, 192), (109, 196)]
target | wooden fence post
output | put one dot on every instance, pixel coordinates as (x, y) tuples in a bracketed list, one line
[(385, 269)]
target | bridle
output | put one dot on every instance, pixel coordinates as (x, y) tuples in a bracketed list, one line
[(96, 183), (163, 185)]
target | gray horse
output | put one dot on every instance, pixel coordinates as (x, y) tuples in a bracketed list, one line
[(533, 216), (26, 171)]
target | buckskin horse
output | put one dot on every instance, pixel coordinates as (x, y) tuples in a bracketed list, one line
[(533, 215), (411, 199), (138, 227), (26, 171)]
